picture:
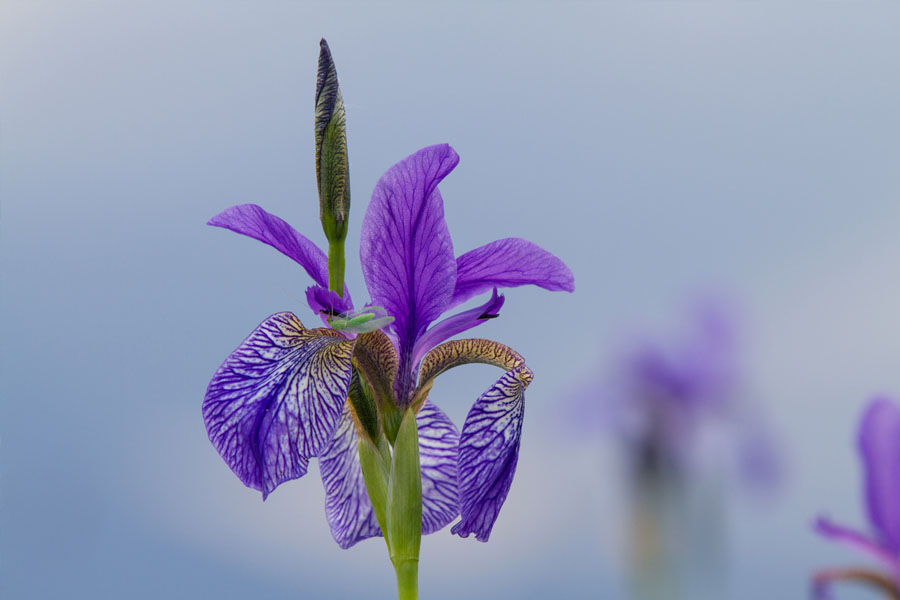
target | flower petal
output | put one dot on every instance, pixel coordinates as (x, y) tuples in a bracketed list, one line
[(456, 324), (509, 262), (464, 352), (276, 400), (879, 444), (823, 580), (488, 452), (325, 302), (406, 251), (855, 540), (438, 447), (347, 506)]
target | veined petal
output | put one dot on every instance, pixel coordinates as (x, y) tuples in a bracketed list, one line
[(252, 221), (347, 506), (376, 359), (457, 324), (879, 444), (854, 539), (509, 262), (406, 251), (489, 451), (438, 447), (463, 352), (276, 400)]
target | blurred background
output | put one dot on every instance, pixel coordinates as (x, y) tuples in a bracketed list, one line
[(663, 150)]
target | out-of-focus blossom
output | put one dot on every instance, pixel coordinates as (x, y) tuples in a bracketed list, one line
[(676, 404), (879, 447)]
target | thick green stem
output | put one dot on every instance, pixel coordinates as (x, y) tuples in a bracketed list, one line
[(407, 579), (336, 266)]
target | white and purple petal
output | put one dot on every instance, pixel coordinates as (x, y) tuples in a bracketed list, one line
[(438, 447), (347, 506), (509, 262), (405, 248), (879, 445), (489, 451), (252, 221), (276, 400)]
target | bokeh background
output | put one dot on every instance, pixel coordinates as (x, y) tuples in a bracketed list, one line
[(660, 149)]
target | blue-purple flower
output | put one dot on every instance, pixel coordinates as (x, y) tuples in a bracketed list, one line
[(289, 393), (879, 447)]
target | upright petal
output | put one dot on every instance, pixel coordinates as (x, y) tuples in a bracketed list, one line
[(276, 400), (438, 447), (406, 251), (489, 451), (879, 444), (347, 506), (509, 262), (456, 324), (252, 221)]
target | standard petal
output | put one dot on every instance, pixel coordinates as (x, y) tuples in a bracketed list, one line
[(879, 444), (406, 251), (488, 452), (347, 506), (438, 447), (456, 324), (509, 262), (252, 221), (276, 400)]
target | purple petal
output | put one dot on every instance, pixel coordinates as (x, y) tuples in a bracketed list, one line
[(856, 540), (406, 251), (879, 444), (252, 221), (509, 262), (488, 452), (456, 324), (325, 302), (347, 506), (276, 400), (438, 447)]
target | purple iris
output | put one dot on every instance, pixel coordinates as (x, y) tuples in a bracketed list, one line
[(281, 397), (879, 447)]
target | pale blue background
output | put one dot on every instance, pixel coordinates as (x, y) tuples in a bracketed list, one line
[(658, 148)]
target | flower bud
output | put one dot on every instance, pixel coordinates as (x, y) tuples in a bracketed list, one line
[(332, 170)]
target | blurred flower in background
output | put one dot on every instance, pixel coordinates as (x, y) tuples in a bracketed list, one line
[(879, 447), (682, 413)]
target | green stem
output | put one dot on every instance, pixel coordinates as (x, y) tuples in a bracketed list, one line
[(336, 266), (407, 579)]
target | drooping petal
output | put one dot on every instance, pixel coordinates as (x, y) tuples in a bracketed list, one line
[(489, 451), (509, 262), (347, 506), (406, 251), (438, 446), (276, 400), (465, 352), (856, 540), (457, 324), (879, 444), (823, 580), (252, 221)]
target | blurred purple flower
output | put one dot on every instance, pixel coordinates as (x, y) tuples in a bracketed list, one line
[(879, 447), (670, 401), (281, 397)]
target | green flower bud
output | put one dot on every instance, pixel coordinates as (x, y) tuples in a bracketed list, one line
[(332, 170)]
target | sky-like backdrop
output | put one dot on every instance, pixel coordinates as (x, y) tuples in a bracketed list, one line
[(663, 150)]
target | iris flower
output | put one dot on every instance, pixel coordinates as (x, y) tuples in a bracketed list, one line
[(879, 447)]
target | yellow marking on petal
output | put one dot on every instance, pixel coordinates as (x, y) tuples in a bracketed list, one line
[(377, 360), (462, 352)]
